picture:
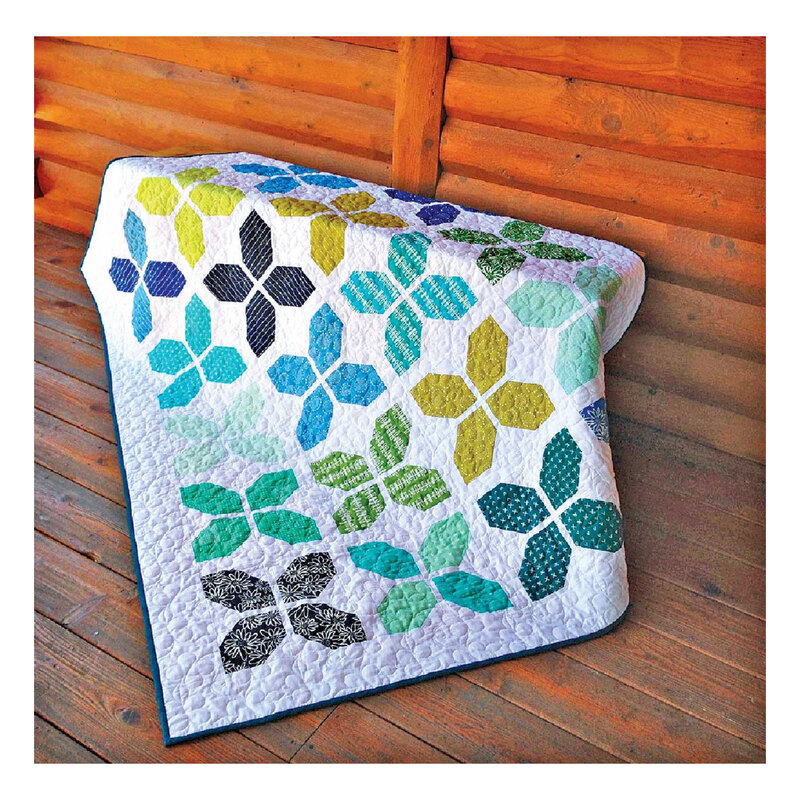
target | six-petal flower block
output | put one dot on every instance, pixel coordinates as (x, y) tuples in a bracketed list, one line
[(322, 371), (403, 293)]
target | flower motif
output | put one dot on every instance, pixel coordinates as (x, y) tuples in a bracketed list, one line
[(194, 360), (549, 304), (408, 604), (330, 222), (521, 239), (433, 212), (253, 639), (282, 180), (211, 442), (596, 418), (230, 527), (594, 524), (189, 192), (354, 384), (157, 278), (256, 283), (419, 487), (513, 404), (437, 297)]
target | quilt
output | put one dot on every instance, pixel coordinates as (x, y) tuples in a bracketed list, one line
[(363, 433)]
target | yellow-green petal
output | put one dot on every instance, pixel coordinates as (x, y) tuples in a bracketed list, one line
[(189, 228), (353, 201), (327, 241), (195, 174), (292, 207), (157, 195), (377, 220), (215, 200)]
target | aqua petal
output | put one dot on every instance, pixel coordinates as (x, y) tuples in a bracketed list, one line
[(198, 325), (472, 591), (357, 384), (223, 365), (182, 390), (384, 560), (325, 338), (315, 419)]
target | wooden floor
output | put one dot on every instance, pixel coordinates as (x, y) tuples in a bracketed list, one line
[(682, 679)]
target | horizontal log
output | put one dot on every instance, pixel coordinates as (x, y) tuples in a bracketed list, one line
[(381, 42), (158, 130), (72, 187), (710, 425), (320, 66), (78, 149), (707, 262), (724, 68), (678, 194), (681, 129), (57, 213), (700, 374), (322, 121), (111, 709)]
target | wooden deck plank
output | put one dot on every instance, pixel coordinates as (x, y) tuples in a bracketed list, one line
[(75, 358), (51, 746), (111, 709), (353, 734)]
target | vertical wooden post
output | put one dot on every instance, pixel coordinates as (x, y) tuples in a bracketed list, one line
[(418, 113)]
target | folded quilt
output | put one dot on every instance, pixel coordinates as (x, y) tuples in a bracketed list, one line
[(363, 432)]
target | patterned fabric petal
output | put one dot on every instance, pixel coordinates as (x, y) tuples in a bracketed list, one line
[(375, 220), (486, 355), (124, 274), (438, 213), (289, 286), (403, 337), (260, 321), (194, 174), (595, 524), (543, 304), (360, 510), (255, 237), (198, 458), (598, 283), (325, 338), (259, 448), (163, 279), (329, 181), (521, 405), (519, 231), (561, 468), (251, 641), (357, 384), (408, 254), (578, 354), (446, 544), (596, 417), (315, 419), (243, 412), (415, 486), (548, 250), (190, 426), (444, 298), (470, 237), (169, 357), (215, 200), (390, 439), (210, 498), (306, 577), (513, 508), (136, 237), (327, 626), (369, 292), (545, 564), (237, 590), (292, 207), (267, 170), (157, 196), (281, 184), (496, 262), (384, 560), (341, 470), (292, 375), (354, 201), (228, 283), (223, 365)]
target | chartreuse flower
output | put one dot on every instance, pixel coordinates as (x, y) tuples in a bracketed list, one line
[(511, 403), (409, 485), (211, 443), (194, 360), (230, 526), (405, 294), (329, 223), (409, 603), (572, 310), (193, 196), (551, 511), (519, 240)]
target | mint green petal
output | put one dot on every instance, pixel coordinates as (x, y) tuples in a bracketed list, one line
[(384, 560), (211, 499), (578, 354), (198, 325), (271, 489), (169, 357), (288, 526), (198, 458), (221, 538), (192, 427), (182, 390), (446, 544), (243, 411), (258, 447), (543, 304), (406, 606), (472, 591), (223, 365), (598, 283)]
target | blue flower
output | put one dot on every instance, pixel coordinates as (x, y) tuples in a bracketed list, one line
[(280, 180)]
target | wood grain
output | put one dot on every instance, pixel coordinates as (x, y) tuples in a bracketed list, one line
[(676, 129), (723, 68), (51, 746), (333, 69), (418, 113)]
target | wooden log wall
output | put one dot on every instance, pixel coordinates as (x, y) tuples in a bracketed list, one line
[(657, 143)]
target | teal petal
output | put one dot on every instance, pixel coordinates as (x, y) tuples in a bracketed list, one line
[(169, 357), (384, 560), (223, 365), (182, 390), (472, 591), (198, 326)]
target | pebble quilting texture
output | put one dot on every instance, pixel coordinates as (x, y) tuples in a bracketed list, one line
[(364, 432)]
